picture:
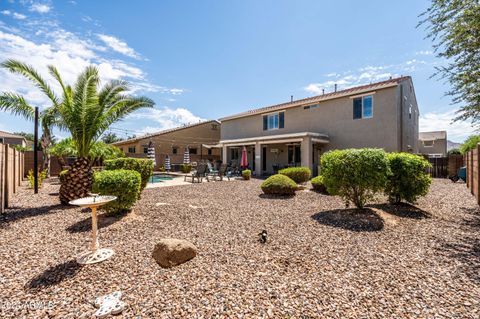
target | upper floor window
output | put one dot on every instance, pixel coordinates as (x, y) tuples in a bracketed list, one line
[(274, 121), (363, 107), (428, 143), (131, 149), (215, 127)]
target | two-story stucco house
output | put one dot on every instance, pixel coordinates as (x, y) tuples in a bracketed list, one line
[(383, 115), (433, 144)]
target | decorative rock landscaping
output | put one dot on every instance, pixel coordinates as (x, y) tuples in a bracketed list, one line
[(318, 261), (171, 252)]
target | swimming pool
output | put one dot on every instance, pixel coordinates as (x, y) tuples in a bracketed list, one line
[(158, 178)]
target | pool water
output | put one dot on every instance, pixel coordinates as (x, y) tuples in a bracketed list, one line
[(160, 178)]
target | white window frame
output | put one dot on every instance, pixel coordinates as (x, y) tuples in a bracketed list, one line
[(273, 115)]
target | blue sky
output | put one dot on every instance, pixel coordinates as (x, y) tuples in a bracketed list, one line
[(208, 59)]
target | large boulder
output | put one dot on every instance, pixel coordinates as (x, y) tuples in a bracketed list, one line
[(169, 252)]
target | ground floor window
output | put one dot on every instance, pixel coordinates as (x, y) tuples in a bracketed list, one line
[(192, 151), (234, 154), (131, 149)]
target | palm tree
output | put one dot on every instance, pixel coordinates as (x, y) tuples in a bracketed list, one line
[(16, 104), (86, 111)]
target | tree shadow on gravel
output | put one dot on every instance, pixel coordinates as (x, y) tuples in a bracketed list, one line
[(15, 214), (54, 275), (466, 249), (359, 220), (103, 221), (403, 210), (268, 196)]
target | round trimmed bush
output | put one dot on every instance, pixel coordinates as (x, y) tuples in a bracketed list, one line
[(318, 185), (279, 185), (356, 175), (141, 165), (125, 184), (408, 179), (297, 174), (186, 168), (246, 174)]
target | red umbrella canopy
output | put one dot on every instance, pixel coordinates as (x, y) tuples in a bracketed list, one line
[(244, 160)]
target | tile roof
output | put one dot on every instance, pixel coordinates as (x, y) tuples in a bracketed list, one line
[(170, 130), (10, 135), (429, 136), (323, 97)]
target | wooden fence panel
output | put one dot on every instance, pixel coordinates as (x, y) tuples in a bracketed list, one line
[(439, 167), (472, 161), (11, 174)]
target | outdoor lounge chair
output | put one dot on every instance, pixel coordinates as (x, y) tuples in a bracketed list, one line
[(222, 172), (199, 174)]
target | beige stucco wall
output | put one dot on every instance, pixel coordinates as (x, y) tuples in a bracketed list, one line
[(193, 137), (335, 118), (439, 147), (409, 134)]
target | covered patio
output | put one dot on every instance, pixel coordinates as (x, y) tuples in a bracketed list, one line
[(267, 154)]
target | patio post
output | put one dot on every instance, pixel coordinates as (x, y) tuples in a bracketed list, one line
[(258, 159), (224, 154), (306, 149)]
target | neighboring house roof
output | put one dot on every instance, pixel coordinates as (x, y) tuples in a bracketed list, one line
[(179, 128), (10, 135), (431, 136), (319, 98)]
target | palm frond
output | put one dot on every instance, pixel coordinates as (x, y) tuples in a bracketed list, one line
[(16, 104), (30, 73)]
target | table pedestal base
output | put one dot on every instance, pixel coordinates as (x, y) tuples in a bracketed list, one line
[(92, 257)]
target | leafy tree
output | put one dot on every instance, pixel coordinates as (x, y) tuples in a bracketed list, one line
[(110, 138), (28, 136), (454, 27), (84, 110), (17, 104), (470, 143)]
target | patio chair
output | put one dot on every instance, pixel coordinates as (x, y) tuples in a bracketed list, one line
[(222, 172), (199, 174)]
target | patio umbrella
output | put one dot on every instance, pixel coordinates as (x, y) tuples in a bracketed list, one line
[(167, 163), (186, 156), (151, 153), (244, 160)]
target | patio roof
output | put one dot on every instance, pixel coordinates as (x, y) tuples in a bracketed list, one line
[(281, 138)]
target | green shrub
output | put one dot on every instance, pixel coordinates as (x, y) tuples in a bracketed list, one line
[(185, 168), (297, 174), (41, 176), (279, 185), (355, 174), (125, 184), (61, 175), (246, 174), (454, 151), (140, 165), (318, 185), (469, 144), (408, 179)]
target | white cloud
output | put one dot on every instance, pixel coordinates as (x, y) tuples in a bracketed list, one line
[(118, 45), (19, 16), (442, 121), (40, 7), (166, 118), (364, 75), (424, 52), (14, 15)]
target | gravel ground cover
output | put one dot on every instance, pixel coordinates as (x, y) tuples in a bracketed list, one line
[(320, 261)]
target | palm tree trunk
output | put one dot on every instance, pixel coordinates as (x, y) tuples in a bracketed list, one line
[(77, 181)]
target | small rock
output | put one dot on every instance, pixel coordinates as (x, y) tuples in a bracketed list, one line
[(169, 252)]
